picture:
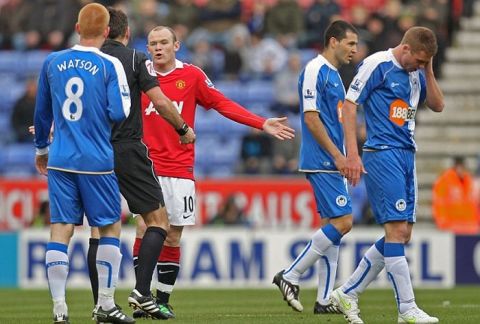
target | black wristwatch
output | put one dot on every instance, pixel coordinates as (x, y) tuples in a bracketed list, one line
[(182, 130)]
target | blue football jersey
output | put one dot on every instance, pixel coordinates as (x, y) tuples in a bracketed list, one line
[(321, 90), (390, 96), (83, 91)]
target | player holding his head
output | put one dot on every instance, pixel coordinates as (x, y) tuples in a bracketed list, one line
[(322, 159), (188, 86), (390, 85), (83, 91), (137, 181)]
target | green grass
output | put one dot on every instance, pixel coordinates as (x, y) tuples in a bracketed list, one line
[(460, 305)]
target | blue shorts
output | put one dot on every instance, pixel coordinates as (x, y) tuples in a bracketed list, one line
[(391, 183), (331, 194), (73, 194)]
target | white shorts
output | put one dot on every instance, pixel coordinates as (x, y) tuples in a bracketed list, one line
[(179, 196)]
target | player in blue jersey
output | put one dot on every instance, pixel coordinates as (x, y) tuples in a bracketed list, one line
[(82, 91), (390, 85), (322, 159)]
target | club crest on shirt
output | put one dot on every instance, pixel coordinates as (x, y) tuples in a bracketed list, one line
[(308, 94), (180, 84), (401, 205), (356, 85), (341, 201)]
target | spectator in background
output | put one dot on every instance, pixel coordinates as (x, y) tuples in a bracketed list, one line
[(42, 219), (265, 57), (285, 156), (285, 85), (51, 23), (284, 22), (455, 207), (182, 12), (236, 53), (317, 18), (230, 214), (14, 21), (22, 114), (256, 152)]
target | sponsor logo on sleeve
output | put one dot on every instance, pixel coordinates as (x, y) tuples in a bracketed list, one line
[(150, 68), (209, 83), (356, 85), (308, 94)]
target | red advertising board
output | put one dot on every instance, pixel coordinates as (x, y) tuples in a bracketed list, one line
[(273, 203), (266, 202), (19, 201)]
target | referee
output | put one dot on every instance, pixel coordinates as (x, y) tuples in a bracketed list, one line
[(137, 180)]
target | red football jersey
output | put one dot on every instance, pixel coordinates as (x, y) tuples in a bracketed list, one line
[(186, 86)]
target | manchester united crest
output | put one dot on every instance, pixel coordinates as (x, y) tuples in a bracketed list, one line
[(180, 84)]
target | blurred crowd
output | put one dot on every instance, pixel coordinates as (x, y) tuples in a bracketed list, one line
[(236, 38)]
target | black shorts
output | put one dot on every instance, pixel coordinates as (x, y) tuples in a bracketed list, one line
[(136, 177)]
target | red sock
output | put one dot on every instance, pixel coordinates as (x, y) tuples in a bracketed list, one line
[(170, 254), (136, 246)]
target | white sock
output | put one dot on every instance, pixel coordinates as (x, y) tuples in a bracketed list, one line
[(322, 239), (108, 266), (367, 270), (399, 275), (327, 272), (57, 264)]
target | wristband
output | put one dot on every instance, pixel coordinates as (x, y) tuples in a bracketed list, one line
[(182, 130)]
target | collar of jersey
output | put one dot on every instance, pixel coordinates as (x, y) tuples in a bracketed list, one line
[(178, 65), (85, 48), (330, 65), (394, 60)]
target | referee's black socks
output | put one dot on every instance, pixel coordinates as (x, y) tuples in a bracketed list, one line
[(150, 249), (92, 267)]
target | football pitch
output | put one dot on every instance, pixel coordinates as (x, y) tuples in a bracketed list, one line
[(459, 305)]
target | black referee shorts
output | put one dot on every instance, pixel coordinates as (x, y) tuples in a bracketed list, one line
[(136, 177)]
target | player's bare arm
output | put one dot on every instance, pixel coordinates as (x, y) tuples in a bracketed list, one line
[(317, 128), (354, 166), (167, 110), (434, 94), (41, 162), (278, 128)]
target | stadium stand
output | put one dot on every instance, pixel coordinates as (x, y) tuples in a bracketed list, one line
[(456, 131)]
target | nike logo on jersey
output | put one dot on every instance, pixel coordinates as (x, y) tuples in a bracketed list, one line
[(335, 85), (394, 84), (186, 216), (162, 272)]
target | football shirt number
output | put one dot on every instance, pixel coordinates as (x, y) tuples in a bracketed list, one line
[(73, 98)]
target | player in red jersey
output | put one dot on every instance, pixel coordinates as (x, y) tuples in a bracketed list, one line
[(186, 85)]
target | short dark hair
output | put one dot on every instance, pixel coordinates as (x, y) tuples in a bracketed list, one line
[(421, 39), (338, 30), (170, 29), (118, 23)]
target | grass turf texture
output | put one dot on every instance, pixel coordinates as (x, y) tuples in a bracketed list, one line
[(458, 305)]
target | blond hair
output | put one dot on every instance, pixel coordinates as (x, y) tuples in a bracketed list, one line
[(93, 20), (421, 39)]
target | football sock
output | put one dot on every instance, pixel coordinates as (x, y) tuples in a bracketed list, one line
[(168, 267), (399, 275), (108, 266), (322, 239), (92, 267), (327, 272), (148, 254), (56, 262), (367, 270)]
